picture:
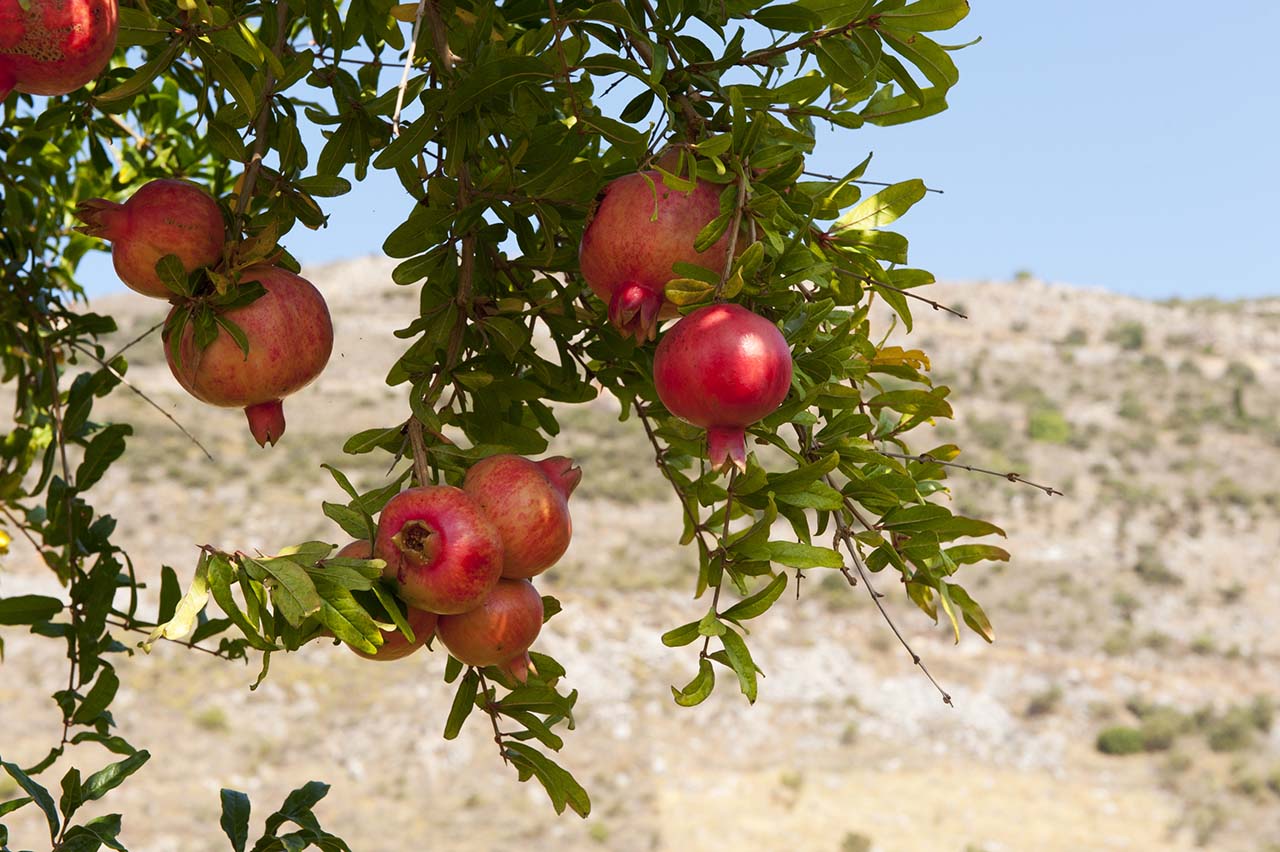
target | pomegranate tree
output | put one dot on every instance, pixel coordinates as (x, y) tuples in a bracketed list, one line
[(394, 644), (723, 368), (52, 47), (499, 631), (528, 503), (639, 230), (163, 217), (442, 553), (289, 337)]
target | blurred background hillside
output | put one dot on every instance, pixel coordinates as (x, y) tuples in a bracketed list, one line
[(1127, 703)]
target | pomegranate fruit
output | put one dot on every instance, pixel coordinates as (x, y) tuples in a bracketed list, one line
[(634, 239), (52, 47), (163, 217), (528, 503), (394, 645), (723, 368), (499, 631), (290, 337), (441, 551)]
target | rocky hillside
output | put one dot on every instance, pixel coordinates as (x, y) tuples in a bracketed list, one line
[(1136, 616)]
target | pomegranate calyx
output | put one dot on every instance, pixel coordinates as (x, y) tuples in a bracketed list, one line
[(266, 421), (563, 474), (634, 310), (102, 218), (727, 448), (519, 667), (417, 540)]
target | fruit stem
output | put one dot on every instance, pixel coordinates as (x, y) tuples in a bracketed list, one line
[(417, 540), (266, 421), (727, 447)]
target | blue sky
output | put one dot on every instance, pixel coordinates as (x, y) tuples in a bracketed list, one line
[(1130, 146)]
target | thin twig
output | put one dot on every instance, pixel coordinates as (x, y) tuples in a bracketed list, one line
[(137, 340), (734, 226), (763, 55), (937, 306), (408, 63), (1012, 477), (142, 142), (564, 61), (863, 182), (120, 378), (440, 35), (27, 534), (419, 451), (184, 643), (493, 717), (660, 458), (264, 113)]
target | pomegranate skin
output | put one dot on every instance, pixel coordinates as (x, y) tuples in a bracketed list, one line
[(627, 255), (499, 631), (163, 217), (394, 646), (54, 46), (723, 368), (528, 503), (441, 551), (290, 338)]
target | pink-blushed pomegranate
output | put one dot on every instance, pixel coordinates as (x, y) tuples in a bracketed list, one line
[(394, 646), (499, 631), (442, 552), (290, 337), (723, 368), (52, 47), (634, 239), (163, 217), (528, 502)]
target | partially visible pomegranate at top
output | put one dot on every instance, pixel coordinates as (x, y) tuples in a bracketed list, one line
[(290, 338), (442, 553), (637, 233), (723, 368), (52, 47), (499, 631), (394, 644), (528, 503), (163, 217)]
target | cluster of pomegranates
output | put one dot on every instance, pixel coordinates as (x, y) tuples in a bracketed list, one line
[(461, 558), (721, 367)]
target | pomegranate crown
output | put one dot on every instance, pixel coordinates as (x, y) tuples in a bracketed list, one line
[(562, 472)]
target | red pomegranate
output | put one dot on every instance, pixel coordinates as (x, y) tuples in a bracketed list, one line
[(394, 645), (52, 47), (290, 338), (441, 551), (499, 631), (528, 503), (723, 368), (634, 239), (163, 217)]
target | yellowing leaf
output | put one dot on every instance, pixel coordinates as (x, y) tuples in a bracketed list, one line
[(897, 356)]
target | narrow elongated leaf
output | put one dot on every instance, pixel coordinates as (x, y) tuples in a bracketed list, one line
[(37, 793), (796, 555), (104, 781), (191, 605), (28, 609), (743, 665), (696, 691), (235, 818), (759, 603), (464, 701), (883, 208), (927, 15)]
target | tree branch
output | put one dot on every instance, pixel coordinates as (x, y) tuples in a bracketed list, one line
[(1012, 477)]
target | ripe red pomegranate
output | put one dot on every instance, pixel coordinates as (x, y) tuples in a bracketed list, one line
[(52, 47), (528, 503), (723, 368), (394, 646), (441, 551), (633, 240), (499, 631), (290, 338), (163, 217)]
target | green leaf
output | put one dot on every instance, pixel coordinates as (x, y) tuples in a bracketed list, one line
[(788, 17), (974, 616), (297, 806), (235, 818), (324, 186), (28, 609), (99, 697), (13, 804), (688, 291), (968, 554), (105, 780), (696, 690), (173, 274), (741, 662), (221, 68), (883, 208), (561, 787), (38, 794), (680, 636), (293, 591), (342, 614), (759, 603), (493, 79), (464, 701), (796, 555), (800, 478), (105, 448), (927, 15), (170, 594), (142, 77)]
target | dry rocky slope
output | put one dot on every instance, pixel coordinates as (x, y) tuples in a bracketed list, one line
[(1148, 588)]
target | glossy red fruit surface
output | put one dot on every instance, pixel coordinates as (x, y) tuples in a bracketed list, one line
[(499, 631), (528, 503)]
